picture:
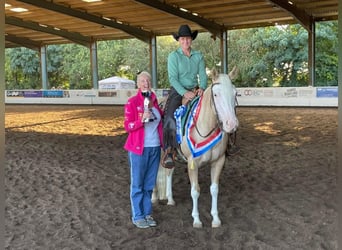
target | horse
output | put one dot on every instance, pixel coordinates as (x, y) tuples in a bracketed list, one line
[(205, 143)]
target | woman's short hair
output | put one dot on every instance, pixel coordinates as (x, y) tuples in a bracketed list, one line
[(143, 73)]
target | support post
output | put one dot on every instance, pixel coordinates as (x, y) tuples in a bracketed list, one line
[(94, 65), (2, 122), (43, 67), (153, 61), (312, 54), (339, 178), (224, 52)]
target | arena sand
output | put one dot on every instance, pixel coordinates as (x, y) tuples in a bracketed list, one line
[(67, 183)]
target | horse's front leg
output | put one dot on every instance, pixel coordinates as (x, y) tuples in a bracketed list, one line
[(216, 222), (214, 190), (195, 193)]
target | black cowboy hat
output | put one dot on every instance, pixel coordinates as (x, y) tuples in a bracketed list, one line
[(184, 30)]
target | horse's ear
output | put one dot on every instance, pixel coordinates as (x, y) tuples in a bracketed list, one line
[(233, 74), (214, 74)]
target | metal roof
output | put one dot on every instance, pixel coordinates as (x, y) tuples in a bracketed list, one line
[(63, 21)]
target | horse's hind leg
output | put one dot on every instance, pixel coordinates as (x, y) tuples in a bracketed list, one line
[(154, 197), (163, 187), (169, 194)]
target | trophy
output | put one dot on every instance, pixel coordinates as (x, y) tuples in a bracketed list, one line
[(147, 94)]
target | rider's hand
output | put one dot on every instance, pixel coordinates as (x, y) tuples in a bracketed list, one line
[(199, 92), (189, 95)]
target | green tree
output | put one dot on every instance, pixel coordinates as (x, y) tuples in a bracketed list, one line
[(56, 76), (24, 66), (326, 53), (76, 66), (242, 55), (165, 45), (271, 56), (210, 49), (110, 58)]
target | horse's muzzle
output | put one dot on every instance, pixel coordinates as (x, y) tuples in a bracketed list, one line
[(230, 126)]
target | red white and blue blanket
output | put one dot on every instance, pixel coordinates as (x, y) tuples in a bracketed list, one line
[(196, 148)]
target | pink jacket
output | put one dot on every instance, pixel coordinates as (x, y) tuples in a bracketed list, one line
[(134, 109)]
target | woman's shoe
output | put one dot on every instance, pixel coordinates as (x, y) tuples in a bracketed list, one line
[(141, 223), (150, 221)]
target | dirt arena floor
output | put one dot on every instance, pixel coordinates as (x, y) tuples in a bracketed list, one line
[(67, 184)]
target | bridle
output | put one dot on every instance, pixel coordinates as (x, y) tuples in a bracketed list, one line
[(219, 122)]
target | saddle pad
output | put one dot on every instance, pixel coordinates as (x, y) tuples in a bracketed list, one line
[(199, 148), (181, 115)]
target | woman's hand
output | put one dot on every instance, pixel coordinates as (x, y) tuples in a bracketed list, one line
[(189, 95), (147, 115)]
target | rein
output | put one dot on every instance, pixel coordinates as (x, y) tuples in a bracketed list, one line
[(218, 124)]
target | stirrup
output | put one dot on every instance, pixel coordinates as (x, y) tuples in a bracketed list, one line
[(168, 161)]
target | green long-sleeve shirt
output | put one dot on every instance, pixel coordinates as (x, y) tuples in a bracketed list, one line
[(186, 73)]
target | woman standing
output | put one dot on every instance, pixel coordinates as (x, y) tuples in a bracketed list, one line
[(144, 142)]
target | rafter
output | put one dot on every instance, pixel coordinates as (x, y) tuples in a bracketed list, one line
[(72, 36), (214, 28), (134, 31), (300, 15), (23, 41)]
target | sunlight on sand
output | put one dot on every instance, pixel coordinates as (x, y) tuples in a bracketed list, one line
[(266, 127), (63, 120)]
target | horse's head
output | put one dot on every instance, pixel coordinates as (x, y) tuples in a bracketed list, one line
[(224, 97)]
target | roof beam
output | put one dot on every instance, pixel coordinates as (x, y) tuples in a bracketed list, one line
[(300, 15), (214, 28), (133, 31), (72, 36), (23, 41)]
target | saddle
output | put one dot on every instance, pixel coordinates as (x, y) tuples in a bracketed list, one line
[(175, 151)]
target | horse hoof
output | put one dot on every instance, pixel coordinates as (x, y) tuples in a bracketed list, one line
[(215, 225), (197, 225), (171, 203)]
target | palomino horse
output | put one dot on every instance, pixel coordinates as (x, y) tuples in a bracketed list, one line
[(205, 141)]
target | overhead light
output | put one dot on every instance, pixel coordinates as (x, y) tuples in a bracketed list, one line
[(91, 1), (19, 9), (7, 5), (290, 2)]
